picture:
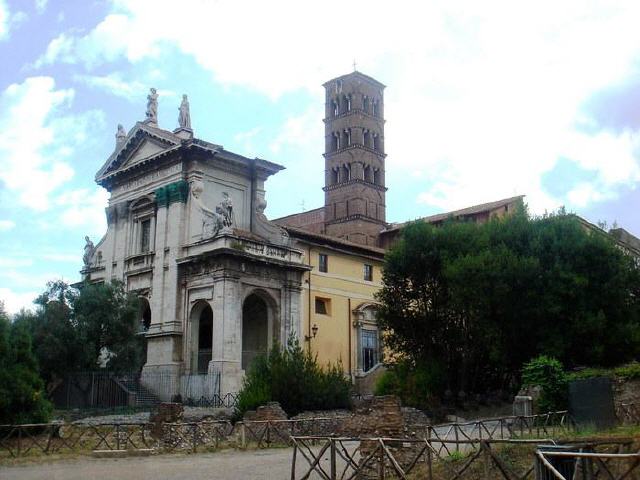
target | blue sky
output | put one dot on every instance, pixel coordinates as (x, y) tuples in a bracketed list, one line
[(485, 100)]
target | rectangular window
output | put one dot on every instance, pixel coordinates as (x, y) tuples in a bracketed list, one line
[(145, 235), (323, 306), (323, 263), (369, 349), (368, 272)]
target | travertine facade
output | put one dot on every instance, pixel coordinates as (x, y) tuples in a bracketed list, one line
[(187, 233)]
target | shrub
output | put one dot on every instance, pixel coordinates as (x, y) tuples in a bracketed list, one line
[(548, 373), (292, 377), (416, 386)]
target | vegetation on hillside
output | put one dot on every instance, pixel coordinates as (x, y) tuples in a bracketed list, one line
[(475, 302), (292, 377), (22, 395)]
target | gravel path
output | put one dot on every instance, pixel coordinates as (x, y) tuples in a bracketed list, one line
[(273, 464)]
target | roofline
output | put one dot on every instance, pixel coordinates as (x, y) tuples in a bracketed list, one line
[(296, 214), (455, 213), (335, 243), (360, 74)]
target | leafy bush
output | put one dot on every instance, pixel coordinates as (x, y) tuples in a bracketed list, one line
[(416, 386), (293, 378), (22, 394), (548, 373)]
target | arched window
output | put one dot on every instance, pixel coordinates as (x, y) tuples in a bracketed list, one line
[(368, 338), (368, 177), (145, 314), (335, 142), (365, 104), (376, 176), (376, 142), (346, 172), (335, 108), (334, 176), (366, 138)]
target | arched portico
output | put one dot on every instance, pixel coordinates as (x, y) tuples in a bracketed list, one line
[(201, 337), (258, 314)]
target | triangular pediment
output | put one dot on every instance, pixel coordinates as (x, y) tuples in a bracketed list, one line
[(143, 143), (145, 149)]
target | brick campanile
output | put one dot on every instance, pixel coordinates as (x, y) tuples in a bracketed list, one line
[(354, 198)]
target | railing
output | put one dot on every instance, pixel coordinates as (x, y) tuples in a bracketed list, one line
[(35, 439), (587, 465), (448, 437), (333, 458), (267, 433), (195, 435)]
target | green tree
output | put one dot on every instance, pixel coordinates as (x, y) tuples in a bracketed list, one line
[(477, 301), (22, 394), (71, 327)]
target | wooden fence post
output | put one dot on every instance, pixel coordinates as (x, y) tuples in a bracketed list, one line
[(243, 435), (333, 459)]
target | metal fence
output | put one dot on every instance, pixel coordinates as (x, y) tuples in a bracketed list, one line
[(134, 389)]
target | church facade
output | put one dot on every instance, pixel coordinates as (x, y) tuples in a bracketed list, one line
[(219, 283)]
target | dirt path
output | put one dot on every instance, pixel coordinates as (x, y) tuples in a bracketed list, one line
[(274, 464)]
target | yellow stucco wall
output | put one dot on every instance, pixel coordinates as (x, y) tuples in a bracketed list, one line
[(345, 288)]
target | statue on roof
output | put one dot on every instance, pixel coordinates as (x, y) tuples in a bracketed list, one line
[(184, 118), (120, 135), (152, 106), (89, 250)]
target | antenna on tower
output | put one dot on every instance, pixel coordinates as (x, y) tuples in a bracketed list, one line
[(302, 205), (354, 64)]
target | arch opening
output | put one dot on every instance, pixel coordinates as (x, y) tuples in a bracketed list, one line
[(202, 338), (255, 329)]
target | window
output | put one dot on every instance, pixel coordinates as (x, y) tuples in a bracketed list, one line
[(369, 342), (368, 272), (323, 306), (323, 263), (145, 235)]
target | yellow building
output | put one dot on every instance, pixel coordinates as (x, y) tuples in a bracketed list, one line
[(338, 305)]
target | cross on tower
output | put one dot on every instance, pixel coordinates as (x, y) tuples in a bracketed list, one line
[(354, 64)]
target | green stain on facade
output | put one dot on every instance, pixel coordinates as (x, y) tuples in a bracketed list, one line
[(174, 192)]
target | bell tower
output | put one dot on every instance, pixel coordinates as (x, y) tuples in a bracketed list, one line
[(354, 198)]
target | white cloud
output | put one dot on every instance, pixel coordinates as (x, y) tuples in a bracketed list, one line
[(299, 131), (14, 302), (84, 208), (41, 5), (4, 20), (60, 49), (482, 97), (6, 225), (114, 84), (35, 137)]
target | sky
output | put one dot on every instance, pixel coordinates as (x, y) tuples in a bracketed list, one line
[(484, 100)]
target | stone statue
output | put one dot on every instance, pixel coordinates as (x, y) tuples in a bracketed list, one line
[(212, 222), (120, 135), (226, 210), (152, 106), (184, 118), (89, 250)]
